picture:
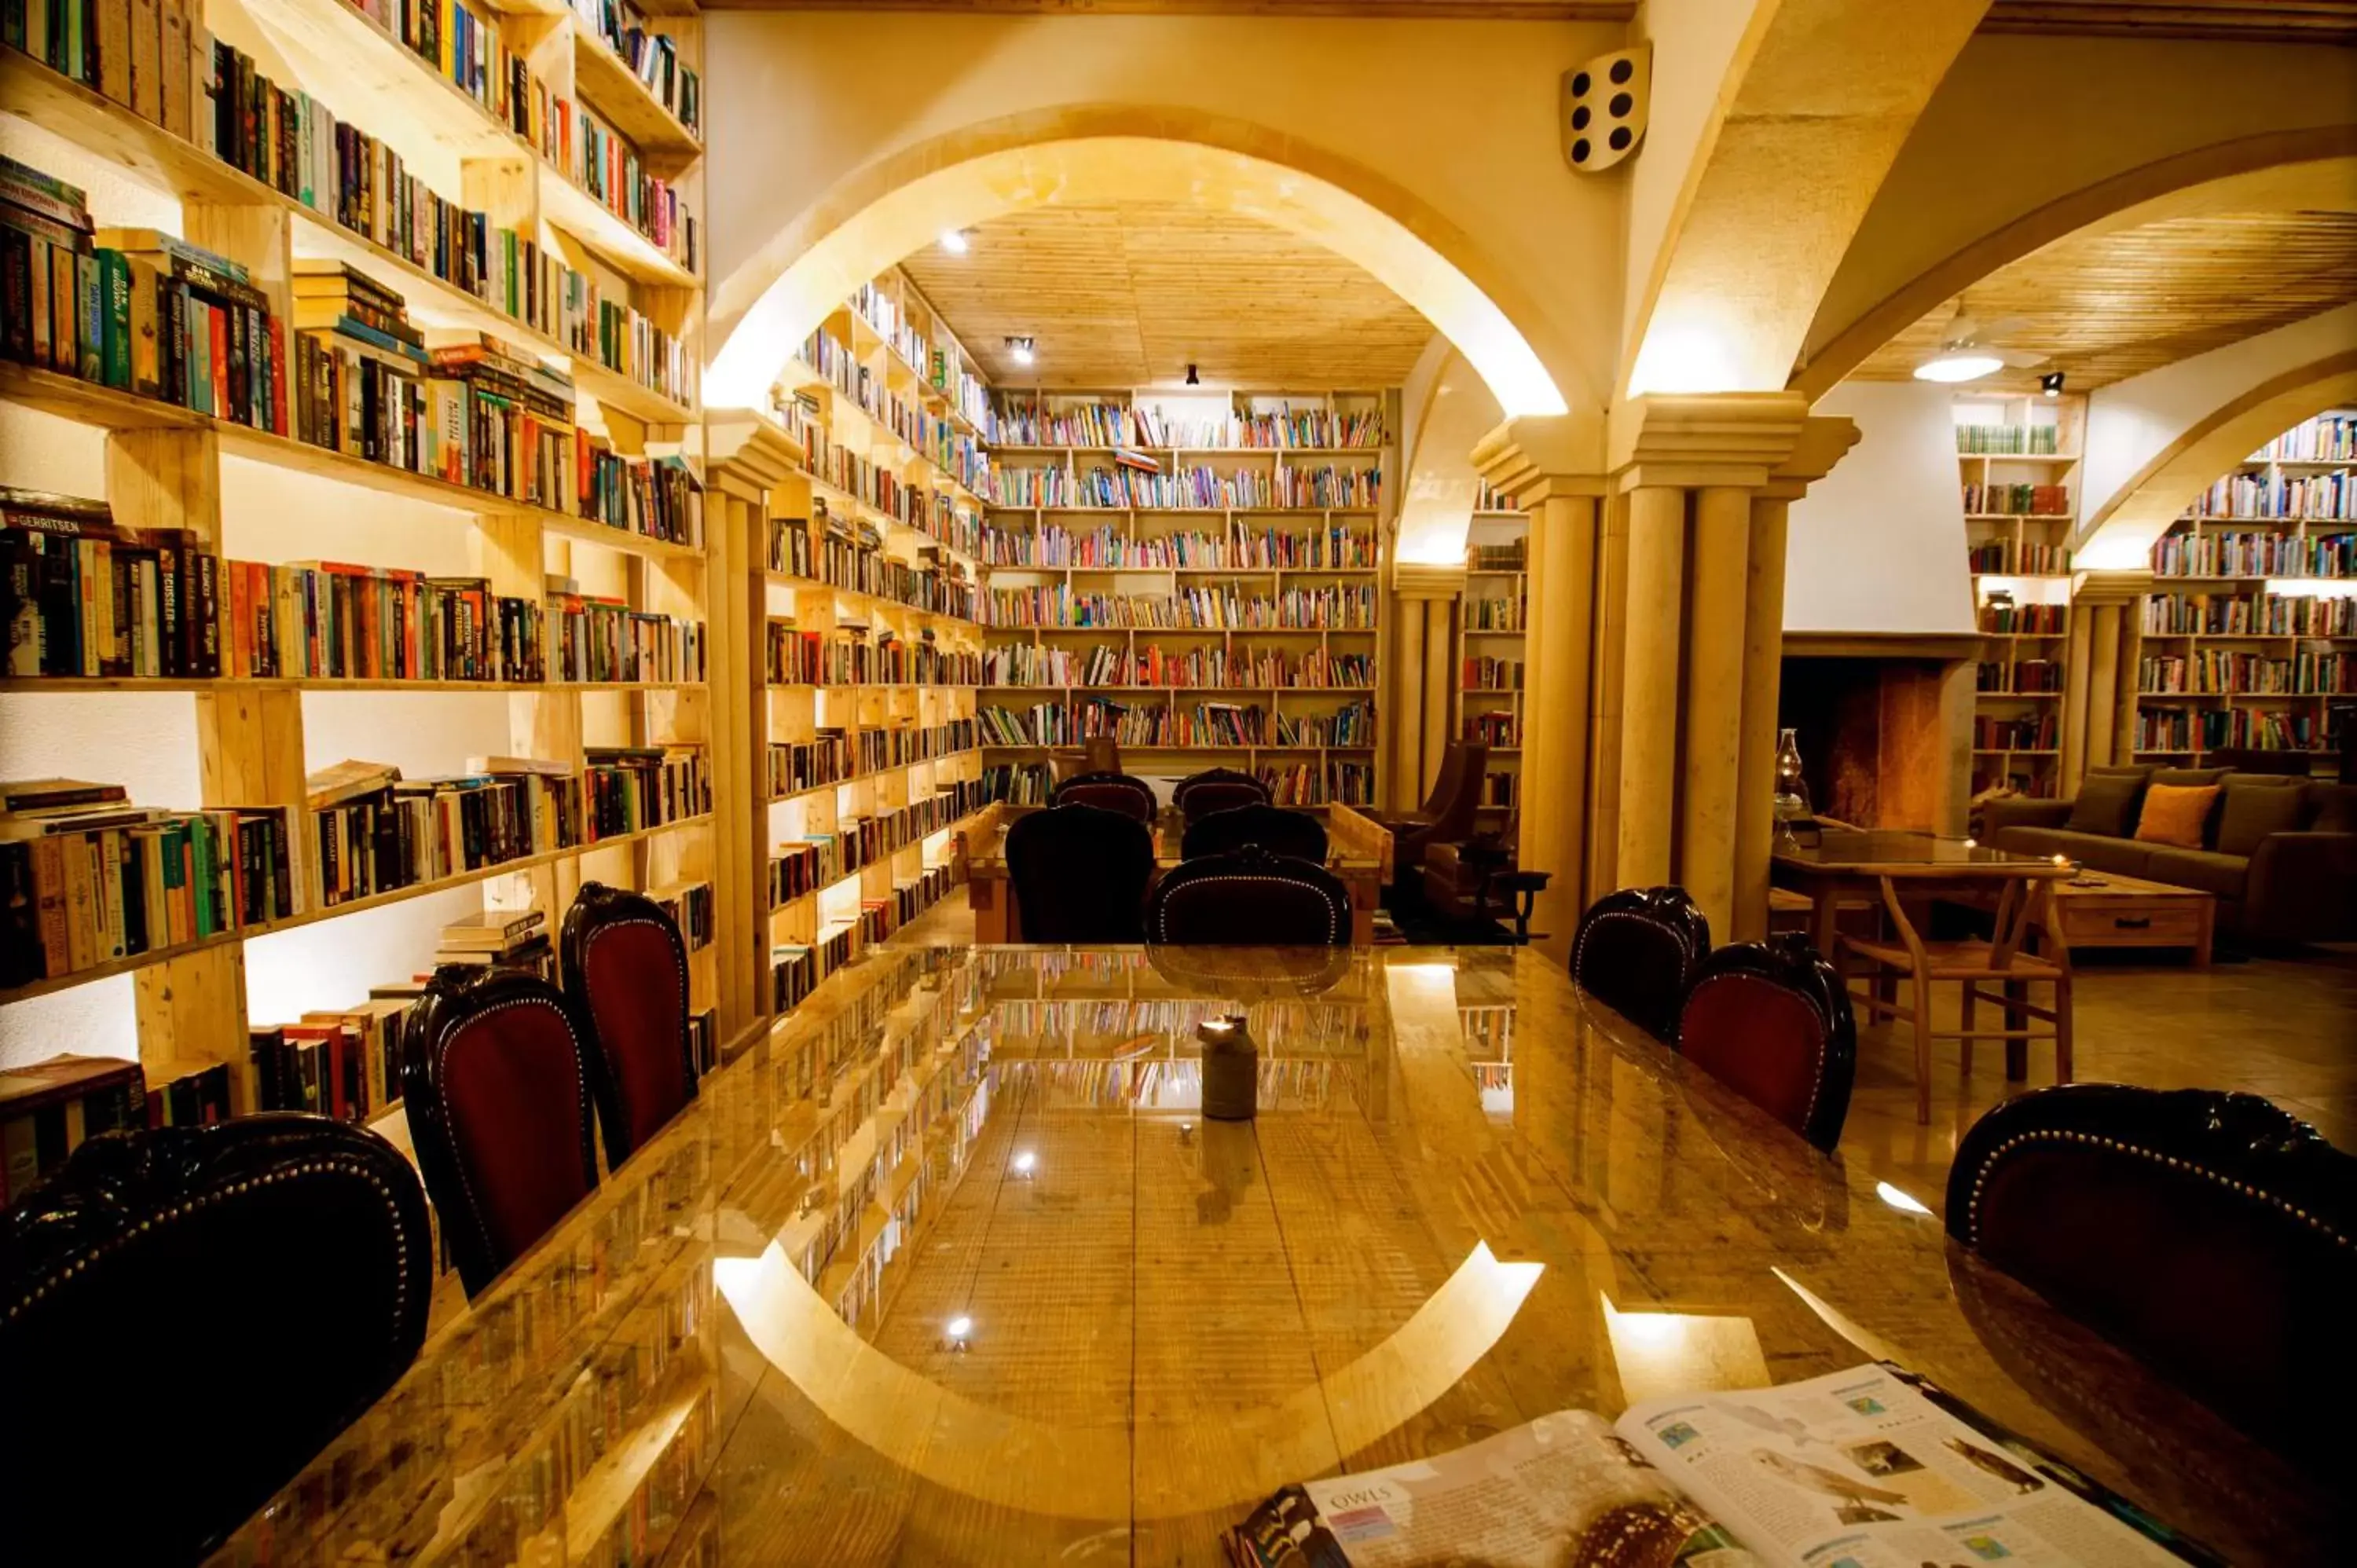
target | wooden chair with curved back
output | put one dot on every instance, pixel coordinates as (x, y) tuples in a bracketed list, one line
[(285, 1260), (1080, 874), (496, 1079), (626, 974), (1273, 828), (2210, 1235), (1250, 897), (1111, 792), (1636, 950), (1772, 1020), (1217, 790)]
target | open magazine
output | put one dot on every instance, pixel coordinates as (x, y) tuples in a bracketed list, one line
[(1868, 1468)]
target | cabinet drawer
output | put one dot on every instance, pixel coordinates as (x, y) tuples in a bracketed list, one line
[(2124, 921)]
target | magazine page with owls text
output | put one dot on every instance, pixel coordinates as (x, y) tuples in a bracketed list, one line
[(1868, 1468)]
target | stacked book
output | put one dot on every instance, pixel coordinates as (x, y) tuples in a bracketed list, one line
[(90, 878), (343, 1063), (500, 938), (627, 790), (47, 1108), (377, 832), (82, 596)]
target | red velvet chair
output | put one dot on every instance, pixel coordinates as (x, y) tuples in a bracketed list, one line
[(187, 1316), (626, 975), (1249, 898), (1636, 950), (1217, 790), (496, 1080), (1772, 1021), (1110, 793), (2210, 1235)]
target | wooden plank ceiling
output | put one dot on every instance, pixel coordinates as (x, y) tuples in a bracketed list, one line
[(2110, 305), (1129, 294), (2263, 21)]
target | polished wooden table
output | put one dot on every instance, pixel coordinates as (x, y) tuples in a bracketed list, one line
[(949, 1270), (1357, 850), (1849, 864)]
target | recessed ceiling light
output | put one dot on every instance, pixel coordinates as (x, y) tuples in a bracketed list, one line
[(954, 241), (1964, 365), (1021, 349)]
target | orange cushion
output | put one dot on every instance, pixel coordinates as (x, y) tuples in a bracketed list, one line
[(2174, 813)]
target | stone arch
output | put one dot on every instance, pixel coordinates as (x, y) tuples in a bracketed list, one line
[(2276, 171), (2120, 535), (883, 211)]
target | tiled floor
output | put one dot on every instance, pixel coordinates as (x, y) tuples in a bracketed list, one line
[(2286, 1028)]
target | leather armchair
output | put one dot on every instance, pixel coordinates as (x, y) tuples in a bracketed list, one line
[(1447, 813)]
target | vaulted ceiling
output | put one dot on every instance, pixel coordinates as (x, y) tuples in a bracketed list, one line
[(2278, 21), (2106, 304), (1130, 295)]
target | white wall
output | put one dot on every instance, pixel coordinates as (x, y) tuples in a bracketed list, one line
[(1878, 544), (2130, 423)]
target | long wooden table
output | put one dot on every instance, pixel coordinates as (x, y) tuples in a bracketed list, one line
[(1357, 850), (949, 1270)]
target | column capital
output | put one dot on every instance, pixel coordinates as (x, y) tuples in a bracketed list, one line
[(2111, 587), (1426, 580), (1537, 456), (1699, 439), (1824, 442), (748, 454)]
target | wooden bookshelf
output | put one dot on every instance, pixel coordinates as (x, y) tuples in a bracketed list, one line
[(866, 448), (2017, 464), (1491, 624), (2276, 536), (1242, 493), (167, 467)]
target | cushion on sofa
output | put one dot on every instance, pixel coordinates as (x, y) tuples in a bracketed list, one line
[(2331, 807), (2107, 801), (2175, 814), (2255, 806), (2202, 869), (2194, 776)]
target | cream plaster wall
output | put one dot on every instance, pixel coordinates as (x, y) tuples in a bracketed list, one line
[(2020, 122), (1694, 46), (2130, 423), (1460, 116), (1878, 544)]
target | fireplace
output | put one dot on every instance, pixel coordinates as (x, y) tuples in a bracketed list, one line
[(1885, 726)]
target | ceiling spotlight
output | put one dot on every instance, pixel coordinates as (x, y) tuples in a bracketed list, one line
[(1192, 379), (2050, 384), (954, 241), (1021, 349), (1959, 365)]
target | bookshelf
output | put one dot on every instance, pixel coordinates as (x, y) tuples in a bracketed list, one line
[(2250, 632), (1194, 571), (459, 548), (1490, 666), (869, 648), (2018, 462)]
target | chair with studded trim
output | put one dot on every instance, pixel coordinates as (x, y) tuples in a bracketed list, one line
[(626, 975), (2210, 1235), (287, 1262), (1636, 950), (1110, 793), (496, 1080), (1079, 873), (1772, 1021), (1248, 898), (1216, 789), (1276, 829)]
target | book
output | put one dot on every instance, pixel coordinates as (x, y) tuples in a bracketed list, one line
[(493, 930), (47, 1108), (38, 795), (346, 780), (1873, 1465)]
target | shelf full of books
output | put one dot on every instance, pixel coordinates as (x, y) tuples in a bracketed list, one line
[(2017, 464), (355, 348), (2249, 637), (850, 496), (1489, 663), (1194, 573)]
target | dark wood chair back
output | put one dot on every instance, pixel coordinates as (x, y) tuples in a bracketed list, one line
[(1217, 790), (1460, 760), (1250, 897), (1636, 950), (186, 1316), (496, 1080), (2209, 1234), (1110, 793), (1273, 828), (626, 975), (1772, 1020), (1080, 874)]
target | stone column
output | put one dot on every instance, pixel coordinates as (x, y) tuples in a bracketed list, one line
[(1423, 655), (2102, 682), (1439, 685), (1648, 711), (2107, 641), (2077, 665), (1709, 789), (1763, 676)]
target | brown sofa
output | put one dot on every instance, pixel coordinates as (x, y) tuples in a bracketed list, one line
[(2280, 851)]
